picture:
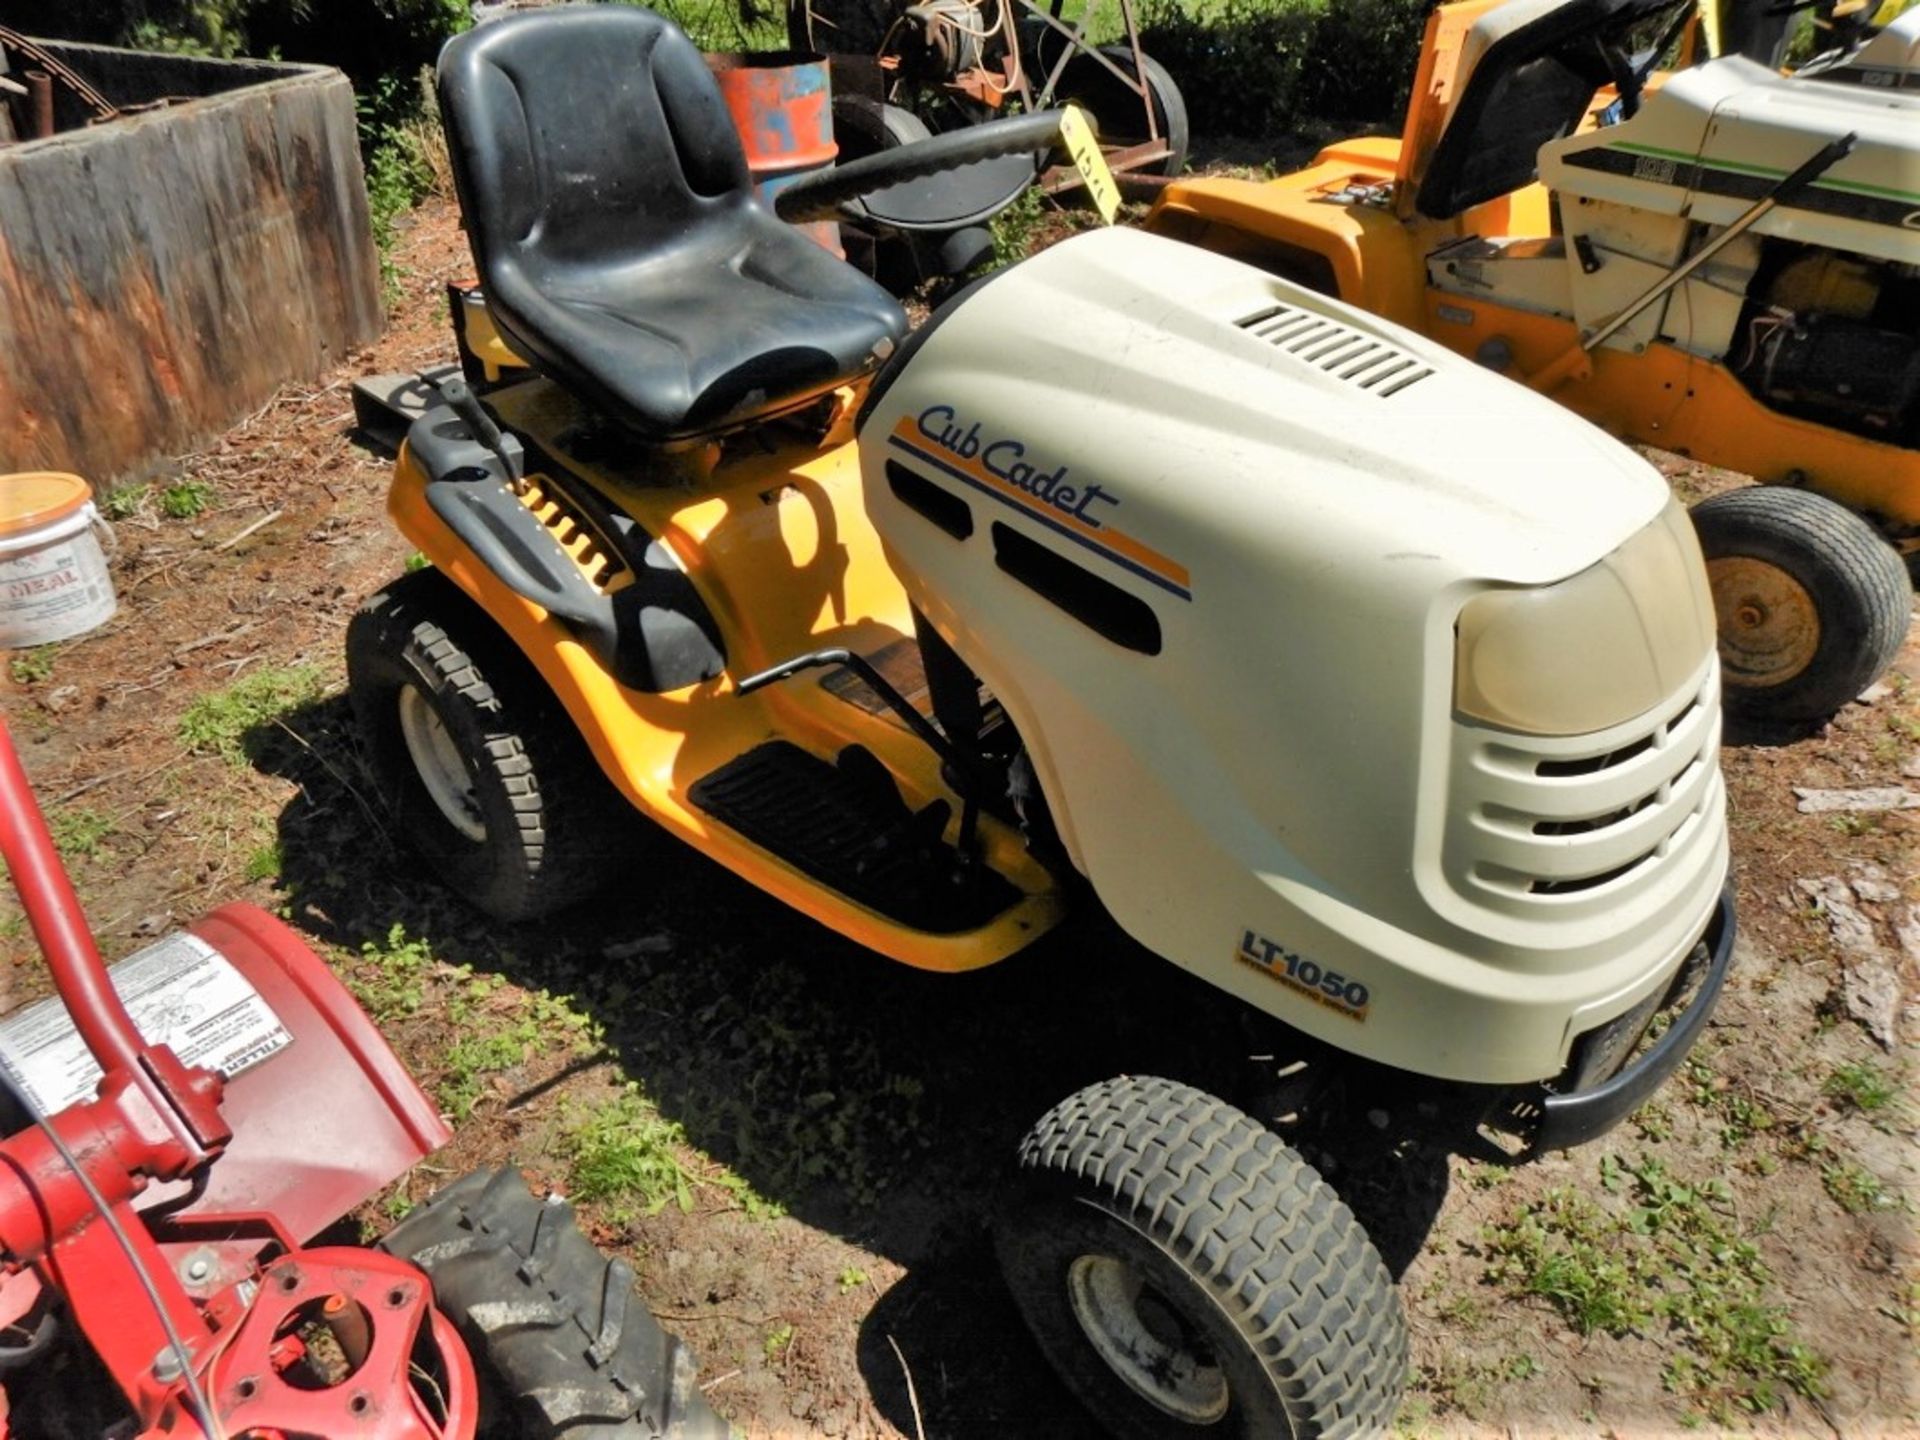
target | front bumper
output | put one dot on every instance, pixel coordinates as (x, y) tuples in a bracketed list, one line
[(1572, 1119)]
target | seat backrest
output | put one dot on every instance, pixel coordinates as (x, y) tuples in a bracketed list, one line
[(583, 136)]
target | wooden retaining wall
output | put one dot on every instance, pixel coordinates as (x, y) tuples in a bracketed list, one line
[(163, 273)]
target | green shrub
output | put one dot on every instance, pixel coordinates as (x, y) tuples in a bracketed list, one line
[(1261, 68)]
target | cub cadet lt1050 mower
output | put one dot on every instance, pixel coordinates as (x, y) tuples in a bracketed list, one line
[(1731, 271), (160, 1185), (1366, 685)]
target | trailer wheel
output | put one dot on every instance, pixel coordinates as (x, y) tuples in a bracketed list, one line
[(1118, 113), (1811, 603), (483, 772), (1183, 1270), (562, 1345)]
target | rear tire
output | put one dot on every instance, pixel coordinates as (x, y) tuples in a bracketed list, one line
[(1185, 1271), (483, 772), (1811, 603), (560, 1341)]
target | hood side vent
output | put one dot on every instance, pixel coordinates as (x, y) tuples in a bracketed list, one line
[(1361, 360)]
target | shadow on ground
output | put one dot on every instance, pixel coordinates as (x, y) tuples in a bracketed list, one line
[(870, 1100)]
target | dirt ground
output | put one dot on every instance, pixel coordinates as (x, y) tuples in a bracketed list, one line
[(833, 1129)]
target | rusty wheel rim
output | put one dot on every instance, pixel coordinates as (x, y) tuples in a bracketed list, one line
[(1769, 625)]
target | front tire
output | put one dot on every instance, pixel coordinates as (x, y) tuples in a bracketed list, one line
[(483, 772), (1186, 1273), (1811, 603)]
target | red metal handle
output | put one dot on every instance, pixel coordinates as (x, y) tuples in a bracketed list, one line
[(58, 921)]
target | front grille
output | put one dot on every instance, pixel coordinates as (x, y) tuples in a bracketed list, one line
[(1363, 361), (1545, 819), (557, 511)]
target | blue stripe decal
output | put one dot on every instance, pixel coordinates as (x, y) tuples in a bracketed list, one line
[(1125, 564)]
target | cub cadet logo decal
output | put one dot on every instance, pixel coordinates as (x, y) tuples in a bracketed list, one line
[(1324, 987), (1001, 468)]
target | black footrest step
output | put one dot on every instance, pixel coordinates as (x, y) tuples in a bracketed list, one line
[(846, 826)]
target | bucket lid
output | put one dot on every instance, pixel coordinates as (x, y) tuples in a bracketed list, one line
[(39, 497)]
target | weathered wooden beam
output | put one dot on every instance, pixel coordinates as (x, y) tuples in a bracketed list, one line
[(163, 274)]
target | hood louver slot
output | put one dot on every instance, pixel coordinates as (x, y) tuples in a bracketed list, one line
[(556, 510), (1361, 360)]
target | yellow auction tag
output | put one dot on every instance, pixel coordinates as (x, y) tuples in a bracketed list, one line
[(1084, 150), (1713, 26)]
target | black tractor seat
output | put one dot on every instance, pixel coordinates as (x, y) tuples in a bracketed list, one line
[(618, 238)]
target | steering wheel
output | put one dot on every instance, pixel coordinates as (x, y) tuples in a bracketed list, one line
[(987, 167)]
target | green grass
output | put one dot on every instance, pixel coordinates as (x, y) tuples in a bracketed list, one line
[(1014, 227), (404, 153), (34, 667), (851, 1279), (499, 1029), (391, 979), (474, 1058), (186, 500), (218, 722), (812, 1102), (123, 502), (1856, 1189), (1673, 1261), (1741, 1115), (265, 862), (80, 834), (626, 1156), (1864, 1086)]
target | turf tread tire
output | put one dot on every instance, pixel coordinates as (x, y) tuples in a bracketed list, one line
[(1857, 581), (1289, 1272), (552, 1323), (551, 816)]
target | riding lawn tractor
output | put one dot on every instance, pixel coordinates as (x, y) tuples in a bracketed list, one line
[(1726, 265), (1364, 684)]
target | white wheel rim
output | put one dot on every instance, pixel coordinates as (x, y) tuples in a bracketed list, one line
[(437, 761), (1769, 624), (1106, 1295)]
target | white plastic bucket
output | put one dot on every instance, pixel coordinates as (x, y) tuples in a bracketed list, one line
[(54, 583)]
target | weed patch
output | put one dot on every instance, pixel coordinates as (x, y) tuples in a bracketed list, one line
[(123, 502), (1856, 1189), (815, 1102), (35, 667), (1013, 228), (391, 978), (217, 723), (265, 863), (1676, 1259), (1864, 1086), (185, 500), (80, 833), (492, 1039), (1741, 1115), (624, 1154)]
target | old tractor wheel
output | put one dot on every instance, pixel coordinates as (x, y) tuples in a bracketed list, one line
[(485, 775), (1811, 603), (1184, 1270), (1118, 114), (562, 1345)]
